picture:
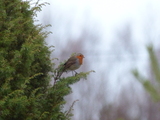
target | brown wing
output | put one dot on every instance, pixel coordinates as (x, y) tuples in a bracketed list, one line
[(70, 61)]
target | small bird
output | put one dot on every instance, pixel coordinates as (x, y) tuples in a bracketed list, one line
[(73, 63)]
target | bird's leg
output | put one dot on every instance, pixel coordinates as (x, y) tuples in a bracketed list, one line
[(75, 73)]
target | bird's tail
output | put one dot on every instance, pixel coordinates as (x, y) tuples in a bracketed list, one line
[(58, 75), (59, 72)]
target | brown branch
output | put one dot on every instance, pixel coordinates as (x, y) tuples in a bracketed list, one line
[(70, 109)]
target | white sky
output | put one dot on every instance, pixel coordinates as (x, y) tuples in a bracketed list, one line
[(109, 15)]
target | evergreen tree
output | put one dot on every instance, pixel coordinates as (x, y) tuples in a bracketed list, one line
[(152, 89), (25, 90)]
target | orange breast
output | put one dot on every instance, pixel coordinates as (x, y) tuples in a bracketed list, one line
[(80, 59)]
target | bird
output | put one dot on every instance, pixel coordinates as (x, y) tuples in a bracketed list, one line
[(72, 64)]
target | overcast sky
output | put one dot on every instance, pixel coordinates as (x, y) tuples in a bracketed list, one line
[(106, 16), (109, 14)]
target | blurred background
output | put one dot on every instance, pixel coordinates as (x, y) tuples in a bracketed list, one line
[(112, 35)]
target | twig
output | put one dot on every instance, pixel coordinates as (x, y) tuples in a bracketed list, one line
[(70, 109), (36, 3)]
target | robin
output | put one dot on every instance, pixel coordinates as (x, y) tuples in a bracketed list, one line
[(73, 63)]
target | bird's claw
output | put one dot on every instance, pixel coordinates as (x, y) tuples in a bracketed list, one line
[(75, 73)]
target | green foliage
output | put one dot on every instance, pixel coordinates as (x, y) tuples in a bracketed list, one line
[(25, 67), (62, 88), (153, 90)]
